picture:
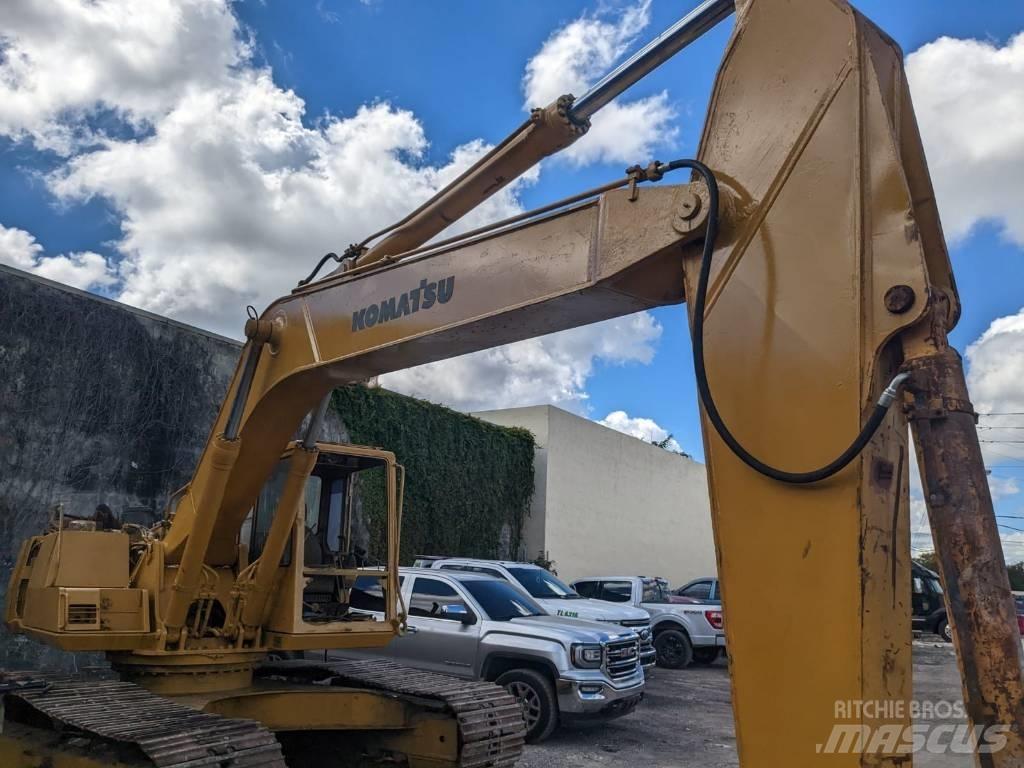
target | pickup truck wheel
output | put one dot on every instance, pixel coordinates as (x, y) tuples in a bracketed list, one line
[(943, 630), (674, 649), (705, 655), (537, 697)]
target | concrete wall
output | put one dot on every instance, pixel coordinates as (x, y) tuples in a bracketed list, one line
[(98, 403), (606, 502)]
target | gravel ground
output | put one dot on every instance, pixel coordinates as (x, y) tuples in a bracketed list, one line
[(686, 720)]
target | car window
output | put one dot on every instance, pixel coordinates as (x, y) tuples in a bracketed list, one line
[(430, 596), (701, 590), (616, 591), (655, 591), (452, 567), (586, 588), (542, 584), (368, 593), (501, 601)]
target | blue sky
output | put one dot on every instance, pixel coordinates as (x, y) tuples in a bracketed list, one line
[(194, 184)]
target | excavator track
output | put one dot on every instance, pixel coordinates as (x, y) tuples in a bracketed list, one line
[(167, 734), (492, 730)]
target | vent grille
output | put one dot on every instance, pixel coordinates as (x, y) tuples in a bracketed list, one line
[(83, 614)]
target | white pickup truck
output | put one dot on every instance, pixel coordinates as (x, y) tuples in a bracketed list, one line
[(684, 634), (557, 598)]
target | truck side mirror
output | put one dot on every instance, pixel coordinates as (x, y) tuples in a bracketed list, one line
[(459, 613)]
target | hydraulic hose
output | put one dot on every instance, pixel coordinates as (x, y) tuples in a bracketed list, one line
[(867, 431)]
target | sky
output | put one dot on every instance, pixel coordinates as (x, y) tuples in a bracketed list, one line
[(190, 157)]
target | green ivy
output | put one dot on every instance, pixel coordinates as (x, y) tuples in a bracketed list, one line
[(466, 480)]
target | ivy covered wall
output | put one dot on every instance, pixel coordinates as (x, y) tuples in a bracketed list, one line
[(468, 483)]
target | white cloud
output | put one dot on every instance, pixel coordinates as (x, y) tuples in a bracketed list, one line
[(551, 369), (970, 106), (18, 248), (232, 199), (227, 193), (647, 430), (62, 61), (574, 57), (995, 373), (84, 270)]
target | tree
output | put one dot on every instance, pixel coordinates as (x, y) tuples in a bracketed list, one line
[(929, 560), (1016, 572), (667, 444)]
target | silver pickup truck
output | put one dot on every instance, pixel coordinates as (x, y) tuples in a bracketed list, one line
[(478, 627), (559, 599), (683, 633)]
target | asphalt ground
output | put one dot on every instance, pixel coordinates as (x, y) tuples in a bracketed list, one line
[(686, 720)]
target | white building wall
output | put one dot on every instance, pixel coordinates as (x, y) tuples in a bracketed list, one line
[(606, 502)]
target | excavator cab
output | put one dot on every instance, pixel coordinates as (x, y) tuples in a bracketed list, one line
[(352, 497)]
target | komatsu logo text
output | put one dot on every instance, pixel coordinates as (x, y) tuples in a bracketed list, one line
[(424, 296)]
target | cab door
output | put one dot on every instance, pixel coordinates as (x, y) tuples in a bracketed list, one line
[(440, 639)]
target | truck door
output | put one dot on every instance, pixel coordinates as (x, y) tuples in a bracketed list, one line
[(438, 639)]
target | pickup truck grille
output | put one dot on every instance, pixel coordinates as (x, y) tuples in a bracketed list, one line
[(643, 628), (622, 659)]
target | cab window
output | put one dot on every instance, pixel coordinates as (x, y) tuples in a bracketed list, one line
[(699, 591), (616, 591), (370, 594), (586, 588), (655, 591), (430, 597)]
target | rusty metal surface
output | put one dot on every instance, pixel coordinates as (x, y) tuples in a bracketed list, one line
[(492, 730), (171, 735), (970, 555)]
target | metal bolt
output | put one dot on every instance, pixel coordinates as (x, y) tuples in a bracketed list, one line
[(899, 299), (689, 206)]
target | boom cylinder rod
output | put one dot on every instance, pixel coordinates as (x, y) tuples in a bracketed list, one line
[(653, 55), (967, 544), (548, 131)]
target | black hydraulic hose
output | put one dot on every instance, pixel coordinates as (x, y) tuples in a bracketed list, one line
[(870, 426)]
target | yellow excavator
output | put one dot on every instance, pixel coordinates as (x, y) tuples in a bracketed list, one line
[(806, 242)]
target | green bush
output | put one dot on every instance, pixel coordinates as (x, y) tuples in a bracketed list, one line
[(468, 483)]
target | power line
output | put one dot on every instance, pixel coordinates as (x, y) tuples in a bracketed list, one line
[(1001, 441), (1001, 413)]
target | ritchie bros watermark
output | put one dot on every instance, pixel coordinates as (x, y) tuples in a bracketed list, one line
[(882, 727)]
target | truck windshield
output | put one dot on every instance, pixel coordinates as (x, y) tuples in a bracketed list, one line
[(542, 585), (500, 600)]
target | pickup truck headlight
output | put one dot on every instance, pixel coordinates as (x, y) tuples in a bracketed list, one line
[(587, 656)]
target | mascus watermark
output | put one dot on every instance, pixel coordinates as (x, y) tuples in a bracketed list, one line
[(928, 734)]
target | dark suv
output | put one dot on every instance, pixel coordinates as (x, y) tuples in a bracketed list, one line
[(928, 611)]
